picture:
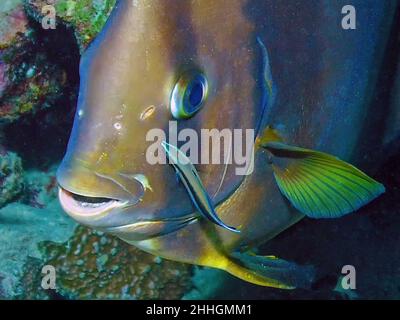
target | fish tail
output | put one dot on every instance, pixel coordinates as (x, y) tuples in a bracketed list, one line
[(270, 271), (318, 184)]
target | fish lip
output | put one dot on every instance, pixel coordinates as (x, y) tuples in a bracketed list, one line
[(84, 210)]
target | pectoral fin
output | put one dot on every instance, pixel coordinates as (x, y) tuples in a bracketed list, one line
[(320, 185), (270, 271)]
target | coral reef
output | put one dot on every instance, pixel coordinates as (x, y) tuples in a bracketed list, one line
[(31, 79), (86, 17), (12, 20), (39, 71), (34, 83), (93, 265), (11, 176)]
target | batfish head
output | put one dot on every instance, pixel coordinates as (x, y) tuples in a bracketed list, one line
[(156, 64)]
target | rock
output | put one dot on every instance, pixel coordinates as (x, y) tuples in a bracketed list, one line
[(40, 187), (11, 177)]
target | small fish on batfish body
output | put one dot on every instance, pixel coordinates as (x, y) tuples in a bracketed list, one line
[(190, 178)]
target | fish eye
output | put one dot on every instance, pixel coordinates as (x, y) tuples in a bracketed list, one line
[(188, 95)]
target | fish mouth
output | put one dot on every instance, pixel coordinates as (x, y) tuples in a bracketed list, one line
[(81, 206), (86, 209)]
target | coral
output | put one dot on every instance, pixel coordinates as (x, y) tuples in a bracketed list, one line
[(3, 77), (12, 20), (34, 83), (35, 64), (11, 176), (30, 282), (93, 265), (86, 17)]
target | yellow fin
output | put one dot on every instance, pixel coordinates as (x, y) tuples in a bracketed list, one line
[(320, 185), (270, 271), (269, 135)]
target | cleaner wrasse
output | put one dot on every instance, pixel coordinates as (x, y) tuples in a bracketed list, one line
[(285, 69)]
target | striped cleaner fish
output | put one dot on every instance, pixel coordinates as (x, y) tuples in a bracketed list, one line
[(205, 64), (192, 182)]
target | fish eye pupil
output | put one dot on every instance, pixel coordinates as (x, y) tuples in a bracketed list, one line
[(196, 93)]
